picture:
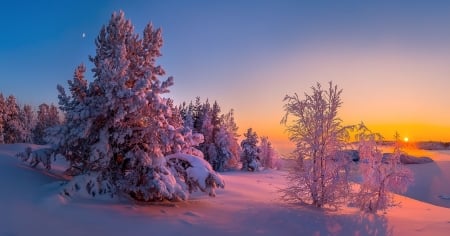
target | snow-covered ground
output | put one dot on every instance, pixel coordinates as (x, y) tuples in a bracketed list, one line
[(249, 205)]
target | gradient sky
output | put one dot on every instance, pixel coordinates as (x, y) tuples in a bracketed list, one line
[(391, 58)]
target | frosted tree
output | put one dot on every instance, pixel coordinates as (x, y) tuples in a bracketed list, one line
[(229, 135), (2, 118), (47, 117), (12, 128), (268, 156), (15, 123), (319, 176), (220, 147), (121, 135), (250, 151), (187, 113), (28, 122), (381, 176), (71, 138)]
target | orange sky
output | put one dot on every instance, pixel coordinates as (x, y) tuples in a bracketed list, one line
[(388, 88), (391, 58)]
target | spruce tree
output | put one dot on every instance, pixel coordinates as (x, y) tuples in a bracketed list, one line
[(47, 117), (220, 147), (250, 151), (268, 156), (12, 125), (28, 121)]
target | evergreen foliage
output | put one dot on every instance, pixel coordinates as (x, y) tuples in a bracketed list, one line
[(47, 117), (268, 156), (250, 151), (119, 128), (220, 146), (16, 123)]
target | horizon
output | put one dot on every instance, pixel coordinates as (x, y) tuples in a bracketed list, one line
[(390, 58)]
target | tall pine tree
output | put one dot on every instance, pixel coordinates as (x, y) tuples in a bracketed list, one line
[(120, 127)]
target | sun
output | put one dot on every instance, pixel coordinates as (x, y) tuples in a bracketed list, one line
[(405, 139)]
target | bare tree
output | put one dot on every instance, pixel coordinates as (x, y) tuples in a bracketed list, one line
[(320, 174)]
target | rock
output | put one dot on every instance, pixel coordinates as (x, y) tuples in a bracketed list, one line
[(409, 159)]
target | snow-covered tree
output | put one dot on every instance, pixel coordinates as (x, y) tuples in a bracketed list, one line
[(12, 129), (227, 140), (220, 147), (15, 123), (121, 135), (47, 116), (268, 156), (71, 138), (320, 174), (28, 122), (250, 151), (2, 118), (381, 176)]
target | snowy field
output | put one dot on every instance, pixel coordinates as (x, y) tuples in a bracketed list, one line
[(249, 205)]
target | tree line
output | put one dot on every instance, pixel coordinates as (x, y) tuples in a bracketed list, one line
[(24, 124), (122, 135)]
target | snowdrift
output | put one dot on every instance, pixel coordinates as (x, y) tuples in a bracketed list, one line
[(31, 205)]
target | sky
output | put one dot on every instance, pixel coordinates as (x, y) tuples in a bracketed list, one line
[(391, 58)]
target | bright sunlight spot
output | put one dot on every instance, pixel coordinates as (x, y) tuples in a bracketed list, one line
[(406, 139)]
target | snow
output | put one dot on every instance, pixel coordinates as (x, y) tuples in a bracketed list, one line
[(249, 205)]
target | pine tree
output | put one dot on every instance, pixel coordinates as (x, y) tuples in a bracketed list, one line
[(320, 174), (269, 158), (2, 118), (250, 151), (121, 135), (27, 120), (12, 129), (70, 138), (220, 147), (47, 117), (230, 135)]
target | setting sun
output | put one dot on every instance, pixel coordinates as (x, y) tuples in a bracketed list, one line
[(405, 139)]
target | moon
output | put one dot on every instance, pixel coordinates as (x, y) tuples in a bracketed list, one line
[(83, 35)]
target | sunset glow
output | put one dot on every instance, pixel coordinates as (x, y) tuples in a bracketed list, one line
[(207, 117), (391, 64)]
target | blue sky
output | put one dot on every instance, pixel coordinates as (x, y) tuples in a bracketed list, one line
[(249, 54)]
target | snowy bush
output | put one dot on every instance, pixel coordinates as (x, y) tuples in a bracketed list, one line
[(381, 177), (196, 172), (25, 155), (41, 156)]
